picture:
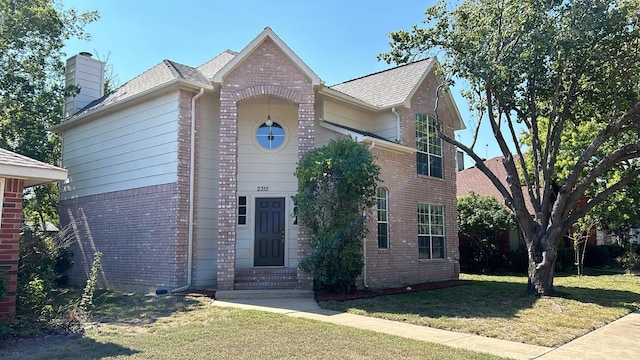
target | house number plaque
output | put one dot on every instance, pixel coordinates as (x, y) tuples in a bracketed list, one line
[(263, 188)]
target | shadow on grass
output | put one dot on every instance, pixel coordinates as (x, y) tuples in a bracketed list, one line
[(482, 299), (63, 348), (114, 307)]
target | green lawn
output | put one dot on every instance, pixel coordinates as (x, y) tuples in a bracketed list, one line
[(139, 327), (497, 306)]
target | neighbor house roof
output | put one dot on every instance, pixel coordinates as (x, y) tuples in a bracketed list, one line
[(33, 172), (473, 179)]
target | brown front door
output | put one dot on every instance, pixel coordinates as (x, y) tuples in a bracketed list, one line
[(270, 232)]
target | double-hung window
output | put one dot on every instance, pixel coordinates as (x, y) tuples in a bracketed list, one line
[(382, 195), (429, 146), (430, 231)]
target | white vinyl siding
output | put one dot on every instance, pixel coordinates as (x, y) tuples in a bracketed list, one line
[(206, 244), (386, 125), (132, 148)]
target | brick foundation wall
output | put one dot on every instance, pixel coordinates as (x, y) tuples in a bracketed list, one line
[(9, 243), (137, 232), (266, 72)]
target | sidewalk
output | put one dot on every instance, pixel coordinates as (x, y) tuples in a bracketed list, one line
[(618, 340)]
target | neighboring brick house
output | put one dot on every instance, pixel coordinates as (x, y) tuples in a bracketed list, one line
[(223, 218), (473, 179), (16, 173)]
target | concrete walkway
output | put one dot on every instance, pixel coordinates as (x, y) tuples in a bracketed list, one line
[(618, 340)]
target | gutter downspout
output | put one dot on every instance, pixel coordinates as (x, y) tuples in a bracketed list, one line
[(192, 170), (398, 137)]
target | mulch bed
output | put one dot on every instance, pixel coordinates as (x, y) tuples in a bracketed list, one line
[(359, 294)]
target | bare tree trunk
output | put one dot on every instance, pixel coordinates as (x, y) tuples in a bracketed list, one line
[(542, 263)]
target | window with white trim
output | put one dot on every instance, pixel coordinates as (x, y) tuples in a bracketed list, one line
[(431, 243), (382, 195), (429, 146)]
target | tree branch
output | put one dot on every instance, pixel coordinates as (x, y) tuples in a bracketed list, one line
[(575, 215)]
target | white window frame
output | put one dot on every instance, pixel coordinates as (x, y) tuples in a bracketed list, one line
[(431, 226), (429, 145), (385, 218)]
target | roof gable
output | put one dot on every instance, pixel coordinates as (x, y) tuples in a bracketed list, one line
[(267, 33), (388, 88)]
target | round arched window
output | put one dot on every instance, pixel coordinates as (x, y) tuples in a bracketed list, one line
[(270, 135)]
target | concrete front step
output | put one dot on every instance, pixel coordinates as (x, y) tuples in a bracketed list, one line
[(263, 294), (264, 285), (265, 278)]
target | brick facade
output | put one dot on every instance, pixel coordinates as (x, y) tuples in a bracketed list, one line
[(137, 231), (266, 72), (400, 264), (9, 243)]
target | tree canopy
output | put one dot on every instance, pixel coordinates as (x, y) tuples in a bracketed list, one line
[(32, 88), (567, 64)]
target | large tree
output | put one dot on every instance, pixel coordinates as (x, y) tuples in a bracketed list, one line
[(567, 63), (32, 88)]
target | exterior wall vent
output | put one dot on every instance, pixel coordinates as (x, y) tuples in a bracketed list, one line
[(88, 74)]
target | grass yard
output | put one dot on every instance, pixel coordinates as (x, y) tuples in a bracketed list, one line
[(151, 327), (496, 306)]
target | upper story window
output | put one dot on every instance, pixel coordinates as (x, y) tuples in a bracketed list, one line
[(382, 195), (270, 135), (429, 146)]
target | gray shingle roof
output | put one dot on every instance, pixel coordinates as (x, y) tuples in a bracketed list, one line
[(382, 89), (10, 158), (211, 67), (33, 172), (389, 87), (162, 73)]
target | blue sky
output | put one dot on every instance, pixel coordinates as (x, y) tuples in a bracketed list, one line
[(339, 40)]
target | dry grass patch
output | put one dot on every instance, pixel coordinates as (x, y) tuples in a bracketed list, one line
[(497, 306), (138, 327)]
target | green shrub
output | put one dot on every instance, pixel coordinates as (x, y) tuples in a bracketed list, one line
[(566, 261), (44, 261), (518, 261), (482, 220), (337, 185)]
